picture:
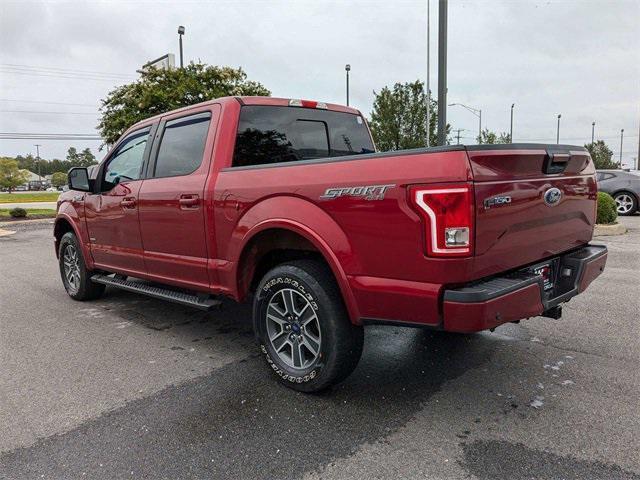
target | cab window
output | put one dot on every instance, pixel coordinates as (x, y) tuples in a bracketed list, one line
[(126, 163)]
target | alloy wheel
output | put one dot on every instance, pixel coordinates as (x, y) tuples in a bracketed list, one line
[(71, 262), (624, 203), (293, 329)]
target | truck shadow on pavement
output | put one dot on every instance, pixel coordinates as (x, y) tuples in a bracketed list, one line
[(237, 421)]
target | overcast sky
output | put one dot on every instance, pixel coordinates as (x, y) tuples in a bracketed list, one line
[(577, 58)]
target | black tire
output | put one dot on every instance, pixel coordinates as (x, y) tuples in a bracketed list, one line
[(80, 287), (626, 196), (340, 341)]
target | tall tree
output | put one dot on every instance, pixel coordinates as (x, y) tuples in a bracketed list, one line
[(601, 155), (492, 137), (10, 174), (399, 117), (161, 90)]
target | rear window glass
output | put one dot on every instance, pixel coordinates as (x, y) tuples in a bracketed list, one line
[(182, 145), (287, 134)]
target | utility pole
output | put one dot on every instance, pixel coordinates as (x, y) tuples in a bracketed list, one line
[(347, 68), (621, 137), (442, 72), (511, 125), (180, 34), (558, 130), (458, 135), (593, 132), (38, 160)]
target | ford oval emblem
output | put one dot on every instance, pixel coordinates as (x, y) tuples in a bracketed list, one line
[(552, 196)]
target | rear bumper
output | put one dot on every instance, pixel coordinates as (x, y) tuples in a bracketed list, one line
[(489, 303)]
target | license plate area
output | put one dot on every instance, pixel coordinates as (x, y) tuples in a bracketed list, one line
[(547, 271)]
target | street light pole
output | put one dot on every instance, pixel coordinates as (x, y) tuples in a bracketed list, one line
[(511, 124), (428, 142), (180, 34), (442, 72), (621, 137), (347, 68), (558, 130), (593, 131), (477, 112)]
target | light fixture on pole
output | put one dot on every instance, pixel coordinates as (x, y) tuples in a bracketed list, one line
[(180, 34), (347, 68), (511, 124), (558, 129), (428, 140), (38, 160), (477, 112)]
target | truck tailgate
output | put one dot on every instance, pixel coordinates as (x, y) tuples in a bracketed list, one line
[(531, 201)]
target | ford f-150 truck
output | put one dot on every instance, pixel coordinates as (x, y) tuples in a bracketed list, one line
[(286, 203)]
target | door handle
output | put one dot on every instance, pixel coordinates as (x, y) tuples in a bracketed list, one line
[(189, 201), (128, 202)]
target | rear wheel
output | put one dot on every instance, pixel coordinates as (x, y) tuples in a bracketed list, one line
[(303, 328), (626, 203), (75, 276)]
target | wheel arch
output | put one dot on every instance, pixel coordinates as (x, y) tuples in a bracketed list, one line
[(273, 242), (67, 221)]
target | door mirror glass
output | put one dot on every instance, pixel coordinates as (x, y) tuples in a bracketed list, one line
[(79, 179)]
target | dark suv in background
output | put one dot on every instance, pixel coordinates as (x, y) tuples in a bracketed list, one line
[(624, 187)]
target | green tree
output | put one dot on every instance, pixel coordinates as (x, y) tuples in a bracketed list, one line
[(492, 137), (10, 174), (399, 117), (161, 90), (59, 179), (87, 158), (601, 155)]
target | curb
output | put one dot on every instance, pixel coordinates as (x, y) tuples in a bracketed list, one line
[(609, 230), (22, 222), (5, 233)]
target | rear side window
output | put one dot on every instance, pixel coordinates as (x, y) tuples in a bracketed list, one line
[(182, 145), (287, 134)]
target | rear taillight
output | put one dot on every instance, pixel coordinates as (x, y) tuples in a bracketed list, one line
[(447, 214)]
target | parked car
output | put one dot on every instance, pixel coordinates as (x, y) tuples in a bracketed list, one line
[(52, 189), (623, 186), (285, 203)]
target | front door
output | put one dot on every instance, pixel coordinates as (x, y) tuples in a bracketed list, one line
[(112, 213), (171, 201)]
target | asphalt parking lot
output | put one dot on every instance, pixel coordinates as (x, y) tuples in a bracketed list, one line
[(130, 387)]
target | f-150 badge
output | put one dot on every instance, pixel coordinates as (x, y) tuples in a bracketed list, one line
[(496, 201), (367, 192)]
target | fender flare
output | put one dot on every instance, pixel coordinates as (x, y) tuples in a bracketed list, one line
[(323, 233), (69, 214)]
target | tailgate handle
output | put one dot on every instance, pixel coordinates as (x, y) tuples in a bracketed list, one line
[(556, 162)]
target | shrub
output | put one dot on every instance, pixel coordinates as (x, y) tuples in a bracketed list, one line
[(18, 212), (607, 212)]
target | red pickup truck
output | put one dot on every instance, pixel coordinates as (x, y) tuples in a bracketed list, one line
[(286, 202)]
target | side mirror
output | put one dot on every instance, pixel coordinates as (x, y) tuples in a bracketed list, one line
[(79, 179)]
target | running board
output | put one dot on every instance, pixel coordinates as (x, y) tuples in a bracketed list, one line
[(202, 302)]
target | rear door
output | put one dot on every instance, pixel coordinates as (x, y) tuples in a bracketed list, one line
[(171, 200), (532, 202), (112, 213)]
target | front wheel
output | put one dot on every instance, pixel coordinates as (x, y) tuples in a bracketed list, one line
[(75, 276), (626, 203), (303, 328)]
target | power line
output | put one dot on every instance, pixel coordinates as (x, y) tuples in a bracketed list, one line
[(16, 66), (50, 103), (57, 113), (65, 76)]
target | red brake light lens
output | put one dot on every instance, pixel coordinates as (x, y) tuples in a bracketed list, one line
[(447, 214)]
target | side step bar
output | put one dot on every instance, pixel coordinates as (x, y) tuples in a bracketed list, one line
[(162, 293)]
